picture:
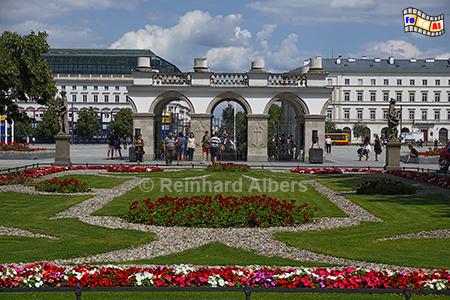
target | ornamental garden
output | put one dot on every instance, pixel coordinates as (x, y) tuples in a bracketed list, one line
[(146, 226)]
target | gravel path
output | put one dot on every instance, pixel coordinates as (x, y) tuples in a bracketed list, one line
[(11, 231), (433, 234)]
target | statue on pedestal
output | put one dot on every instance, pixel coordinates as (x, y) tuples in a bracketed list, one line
[(62, 146), (393, 121), (62, 110)]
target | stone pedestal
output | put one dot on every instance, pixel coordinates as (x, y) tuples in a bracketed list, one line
[(62, 154), (257, 127), (313, 122), (199, 124), (393, 156), (145, 122)]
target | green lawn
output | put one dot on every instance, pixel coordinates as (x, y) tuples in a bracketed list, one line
[(76, 238), (98, 182), (324, 207), (206, 296), (401, 214)]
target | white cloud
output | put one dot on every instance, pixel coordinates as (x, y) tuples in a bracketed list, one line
[(352, 3), (231, 59), (399, 48), (445, 55)]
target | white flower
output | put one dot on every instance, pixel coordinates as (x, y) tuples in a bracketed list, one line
[(183, 269)]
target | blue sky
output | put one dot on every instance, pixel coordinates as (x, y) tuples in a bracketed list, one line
[(231, 33)]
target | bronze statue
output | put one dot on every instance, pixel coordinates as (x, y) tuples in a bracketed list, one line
[(62, 110), (393, 121)]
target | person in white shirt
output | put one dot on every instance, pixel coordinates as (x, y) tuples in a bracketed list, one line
[(190, 147), (215, 147), (328, 143)]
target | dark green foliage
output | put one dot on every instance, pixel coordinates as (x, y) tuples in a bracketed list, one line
[(122, 124), (384, 187), (87, 124)]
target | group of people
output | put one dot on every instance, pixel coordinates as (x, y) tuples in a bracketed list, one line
[(115, 143), (285, 147), (366, 148)]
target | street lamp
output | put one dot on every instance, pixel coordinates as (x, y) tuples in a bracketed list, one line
[(71, 122)]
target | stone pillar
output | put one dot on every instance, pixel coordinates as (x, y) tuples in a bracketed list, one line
[(257, 127), (313, 122), (145, 122), (393, 156), (199, 124), (299, 136), (62, 154)]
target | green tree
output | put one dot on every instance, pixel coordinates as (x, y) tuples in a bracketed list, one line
[(361, 130), (24, 73), (330, 127), (122, 123), (87, 124), (49, 126), (22, 129)]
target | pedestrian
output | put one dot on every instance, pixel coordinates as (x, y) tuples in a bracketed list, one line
[(33, 140), (125, 142), (413, 153), (190, 147), (215, 148), (436, 143), (378, 148), (110, 145), (139, 148), (117, 147), (169, 148), (367, 147), (328, 143), (206, 145), (420, 143), (180, 144)]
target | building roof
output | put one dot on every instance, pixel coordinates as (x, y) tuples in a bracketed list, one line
[(377, 65), (103, 61)]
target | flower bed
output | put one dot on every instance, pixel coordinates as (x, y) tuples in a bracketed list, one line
[(21, 147), (384, 187), (219, 211), (49, 275), (442, 181), (329, 171), (134, 169), (68, 185), (432, 152), (228, 167)]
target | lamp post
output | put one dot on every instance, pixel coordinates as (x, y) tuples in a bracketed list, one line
[(401, 118), (71, 122)]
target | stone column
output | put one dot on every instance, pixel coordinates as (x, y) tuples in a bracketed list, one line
[(313, 122), (199, 124), (393, 156), (257, 126), (145, 122), (299, 137), (62, 153)]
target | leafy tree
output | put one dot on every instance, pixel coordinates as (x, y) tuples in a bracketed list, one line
[(24, 73), (330, 127), (122, 123), (87, 124), (361, 130), (23, 128), (49, 126)]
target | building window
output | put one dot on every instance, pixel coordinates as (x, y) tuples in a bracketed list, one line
[(63, 87), (448, 96), (373, 81), (117, 87), (359, 114), (437, 114), (106, 87), (424, 96), (329, 81), (399, 96), (437, 82), (84, 98), (347, 96), (360, 81), (106, 97), (95, 98), (372, 114), (347, 114), (95, 87), (360, 96), (329, 113), (412, 82), (399, 82), (106, 115), (74, 87), (347, 81), (385, 114), (412, 96), (386, 82), (84, 87), (373, 96), (437, 96), (412, 114), (424, 82), (424, 114), (116, 98), (448, 114), (386, 96)]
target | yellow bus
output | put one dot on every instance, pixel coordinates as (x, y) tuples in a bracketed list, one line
[(338, 138)]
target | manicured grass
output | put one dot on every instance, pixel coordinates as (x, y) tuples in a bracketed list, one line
[(98, 182), (346, 182), (325, 208), (218, 254), (207, 296), (32, 212), (404, 214)]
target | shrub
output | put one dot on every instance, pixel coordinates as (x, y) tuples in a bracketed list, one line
[(384, 187), (228, 167), (219, 211), (68, 185)]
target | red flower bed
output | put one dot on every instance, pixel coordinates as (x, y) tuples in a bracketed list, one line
[(306, 170), (442, 181), (15, 146), (49, 275), (133, 169), (228, 167), (432, 152), (68, 185), (219, 211)]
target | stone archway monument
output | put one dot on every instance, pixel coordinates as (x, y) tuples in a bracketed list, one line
[(255, 90)]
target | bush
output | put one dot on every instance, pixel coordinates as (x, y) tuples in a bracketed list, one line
[(385, 187), (228, 167), (69, 185), (219, 211)]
